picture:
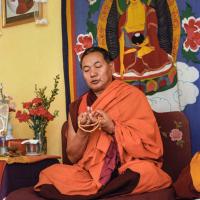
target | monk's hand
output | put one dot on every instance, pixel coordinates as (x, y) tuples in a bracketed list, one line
[(86, 118), (90, 114), (83, 118), (106, 122), (83, 121), (87, 121)]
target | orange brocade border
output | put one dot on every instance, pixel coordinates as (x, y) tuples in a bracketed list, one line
[(102, 21), (71, 55), (176, 27)]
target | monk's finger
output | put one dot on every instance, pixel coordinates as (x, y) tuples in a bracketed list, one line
[(89, 109), (95, 114), (100, 113), (92, 118), (83, 118)]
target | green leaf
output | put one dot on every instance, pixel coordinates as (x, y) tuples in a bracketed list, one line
[(94, 7), (122, 6), (145, 1), (164, 134), (92, 28), (187, 12), (190, 56), (56, 112), (89, 15), (182, 33), (180, 143)]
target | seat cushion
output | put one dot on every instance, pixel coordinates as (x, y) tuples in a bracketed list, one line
[(164, 194), (24, 194), (184, 185)]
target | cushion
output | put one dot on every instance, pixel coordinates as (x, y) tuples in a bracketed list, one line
[(164, 194)]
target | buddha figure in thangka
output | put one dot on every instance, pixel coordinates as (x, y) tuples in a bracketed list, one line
[(138, 42)]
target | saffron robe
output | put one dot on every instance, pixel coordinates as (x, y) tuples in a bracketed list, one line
[(138, 142)]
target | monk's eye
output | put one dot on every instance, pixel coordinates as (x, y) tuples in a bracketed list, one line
[(86, 69), (98, 65)]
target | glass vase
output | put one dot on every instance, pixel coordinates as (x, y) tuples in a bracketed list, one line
[(40, 136), (9, 135)]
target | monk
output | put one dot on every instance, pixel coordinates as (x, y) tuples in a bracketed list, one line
[(111, 133)]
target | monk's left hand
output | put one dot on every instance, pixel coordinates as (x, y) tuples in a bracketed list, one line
[(106, 122)]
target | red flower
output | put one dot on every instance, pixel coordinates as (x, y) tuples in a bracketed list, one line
[(49, 116), (86, 40), (22, 117), (41, 111), (27, 105), (78, 48), (32, 112), (18, 113), (192, 29), (37, 100), (83, 42)]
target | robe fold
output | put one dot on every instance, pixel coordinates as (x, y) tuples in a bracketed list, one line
[(138, 140)]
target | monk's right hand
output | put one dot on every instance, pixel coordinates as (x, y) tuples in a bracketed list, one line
[(83, 118)]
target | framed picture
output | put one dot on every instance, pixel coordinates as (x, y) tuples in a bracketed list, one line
[(0, 19), (15, 12)]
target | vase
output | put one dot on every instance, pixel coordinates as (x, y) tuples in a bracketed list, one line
[(9, 135), (40, 136)]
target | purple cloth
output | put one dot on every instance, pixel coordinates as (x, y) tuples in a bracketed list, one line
[(109, 164)]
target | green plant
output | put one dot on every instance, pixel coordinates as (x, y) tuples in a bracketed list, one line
[(36, 112)]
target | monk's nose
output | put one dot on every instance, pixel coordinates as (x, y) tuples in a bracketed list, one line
[(93, 72)]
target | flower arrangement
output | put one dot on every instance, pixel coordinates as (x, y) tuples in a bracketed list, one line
[(36, 112)]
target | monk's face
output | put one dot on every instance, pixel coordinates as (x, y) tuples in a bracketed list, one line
[(97, 72)]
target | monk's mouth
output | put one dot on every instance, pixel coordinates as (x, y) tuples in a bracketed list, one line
[(95, 81)]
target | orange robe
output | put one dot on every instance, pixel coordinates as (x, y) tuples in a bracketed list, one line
[(138, 140)]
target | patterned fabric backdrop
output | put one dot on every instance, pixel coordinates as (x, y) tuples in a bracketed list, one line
[(155, 46)]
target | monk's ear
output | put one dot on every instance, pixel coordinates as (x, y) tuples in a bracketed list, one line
[(112, 66)]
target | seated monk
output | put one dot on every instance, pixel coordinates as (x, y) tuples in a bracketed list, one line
[(112, 135), (138, 39)]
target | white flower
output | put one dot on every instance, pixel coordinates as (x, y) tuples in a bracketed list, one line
[(91, 2)]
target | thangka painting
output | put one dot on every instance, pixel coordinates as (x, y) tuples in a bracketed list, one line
[(154, 45)]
